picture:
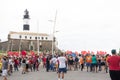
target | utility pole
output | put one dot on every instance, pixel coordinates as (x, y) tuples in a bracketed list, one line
[(54, 32), (37, 37)]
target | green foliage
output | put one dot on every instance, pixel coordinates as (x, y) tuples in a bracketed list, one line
[(2, 51)]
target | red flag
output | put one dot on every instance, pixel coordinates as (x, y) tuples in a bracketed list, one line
[(68, 52), (84, 52), (16, 54), (101, 52), (23, 53), (92, 53), (88, 52), (32, 53), (10, 53)]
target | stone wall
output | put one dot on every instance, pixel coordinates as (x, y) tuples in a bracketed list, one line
[(18, 45)]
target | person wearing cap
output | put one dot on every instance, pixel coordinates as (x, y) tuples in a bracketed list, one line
[(113, 63)]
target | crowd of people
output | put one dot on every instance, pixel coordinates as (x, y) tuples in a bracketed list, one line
[(10, 64), (59, 63)]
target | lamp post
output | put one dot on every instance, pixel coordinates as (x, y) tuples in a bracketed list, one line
[(20, 47), (37, 37), (53, 32), (12, 45)]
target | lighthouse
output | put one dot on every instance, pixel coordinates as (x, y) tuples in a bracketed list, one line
[(26, 18)]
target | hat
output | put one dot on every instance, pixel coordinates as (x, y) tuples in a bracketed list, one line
[(113, 51)]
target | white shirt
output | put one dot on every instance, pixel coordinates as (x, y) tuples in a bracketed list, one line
[(62, 62), (54, 60), (10, 61)]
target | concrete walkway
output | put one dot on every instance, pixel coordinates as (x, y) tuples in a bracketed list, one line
[(70, 75)]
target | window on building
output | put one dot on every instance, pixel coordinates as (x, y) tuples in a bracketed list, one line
[(38, 37), (31, 47), (35, 37), (30, 37), (42, 38), (46, 38), (20, 36), (40, 46), (9, 36), (25, 37), (54, 39)]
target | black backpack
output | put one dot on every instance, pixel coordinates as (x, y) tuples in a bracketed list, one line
[(76, 59)]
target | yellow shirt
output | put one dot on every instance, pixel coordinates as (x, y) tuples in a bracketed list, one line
[(0, 66)]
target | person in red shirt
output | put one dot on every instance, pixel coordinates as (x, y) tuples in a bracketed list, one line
[(31, 64), (44, 61), (16, 64), (113, 63)]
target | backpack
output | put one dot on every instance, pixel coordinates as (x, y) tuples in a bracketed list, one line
[(76, 59)]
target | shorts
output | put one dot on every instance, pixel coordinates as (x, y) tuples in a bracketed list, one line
[(94, 65), (0, 71), (24, 65), (4, 72), (88, 64), (102, 63), (62, 70)]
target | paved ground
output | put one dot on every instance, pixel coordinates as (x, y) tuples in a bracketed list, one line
[(70, 75)]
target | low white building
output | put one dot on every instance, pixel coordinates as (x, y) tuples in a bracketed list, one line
[(18, 41)]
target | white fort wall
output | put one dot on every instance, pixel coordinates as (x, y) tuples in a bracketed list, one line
[(30, 36)]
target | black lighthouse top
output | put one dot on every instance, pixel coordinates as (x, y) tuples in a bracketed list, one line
[(26, 16)]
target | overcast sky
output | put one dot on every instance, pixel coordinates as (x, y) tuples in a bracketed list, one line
[(82, 24)]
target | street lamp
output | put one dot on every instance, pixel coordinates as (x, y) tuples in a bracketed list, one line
[(12, 45), (37, 38), (53, 32)]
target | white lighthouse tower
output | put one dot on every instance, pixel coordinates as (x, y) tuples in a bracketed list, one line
[(26, 18)]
